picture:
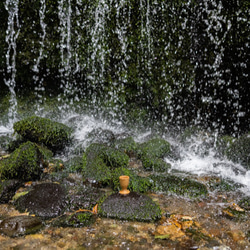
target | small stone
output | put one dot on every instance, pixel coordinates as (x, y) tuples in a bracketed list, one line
[(20, 225)]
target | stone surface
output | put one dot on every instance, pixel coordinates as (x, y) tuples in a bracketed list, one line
[(45, 200), (8, 189), (20, 225), (133, 206)]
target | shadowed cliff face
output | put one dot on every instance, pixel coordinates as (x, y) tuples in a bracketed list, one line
[(183, 62)]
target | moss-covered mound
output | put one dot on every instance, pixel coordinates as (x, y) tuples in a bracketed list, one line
[(152, 153), (99, 161), (126, 145), (25, 163), (133, 206), (179, 186), (52, 134)]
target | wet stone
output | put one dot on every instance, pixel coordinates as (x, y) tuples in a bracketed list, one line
[(8, 189), (20, 225), (133, 206), (46, 200), (85, 197), (78, 219)]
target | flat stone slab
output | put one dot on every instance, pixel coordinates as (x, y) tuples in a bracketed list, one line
[(133, 206)]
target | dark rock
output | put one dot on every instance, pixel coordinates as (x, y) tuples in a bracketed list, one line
[(8, 189), (45, 200), (78, 219), (85, 197), (133, 206), (20, 225)]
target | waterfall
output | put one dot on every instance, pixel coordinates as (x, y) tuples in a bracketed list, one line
[(182, 62), (12, 33), (39, 89)]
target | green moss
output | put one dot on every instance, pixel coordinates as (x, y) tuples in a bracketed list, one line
[(99, 160), (126, 145), (75, 164), (179, 186), (245, 203), (152, 152), (25, 163), (52, 134), (223, 185)]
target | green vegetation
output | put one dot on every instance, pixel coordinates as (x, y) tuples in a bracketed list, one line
[(152, 152), (25, 163), (180, 186), (43, 131)]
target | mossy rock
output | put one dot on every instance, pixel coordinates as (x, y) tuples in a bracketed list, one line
[(44, 131), (74, 164), (102, 136), (134, 206), (156, 147), (154, 164), (126, 145), (136, 183), (180, 186), (239, 151), (78, 219), (94, 168), (224, 185), (25, 163), (152, 152), (99, 160), (245, 203)]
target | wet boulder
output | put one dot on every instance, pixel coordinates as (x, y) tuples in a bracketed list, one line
[(178, 185), (46, 200), (99, 160), (8, 189), (133, 206), (152, 153), (53, 135), (126, 144), (102, 136), (20, 225), (25, 163)]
